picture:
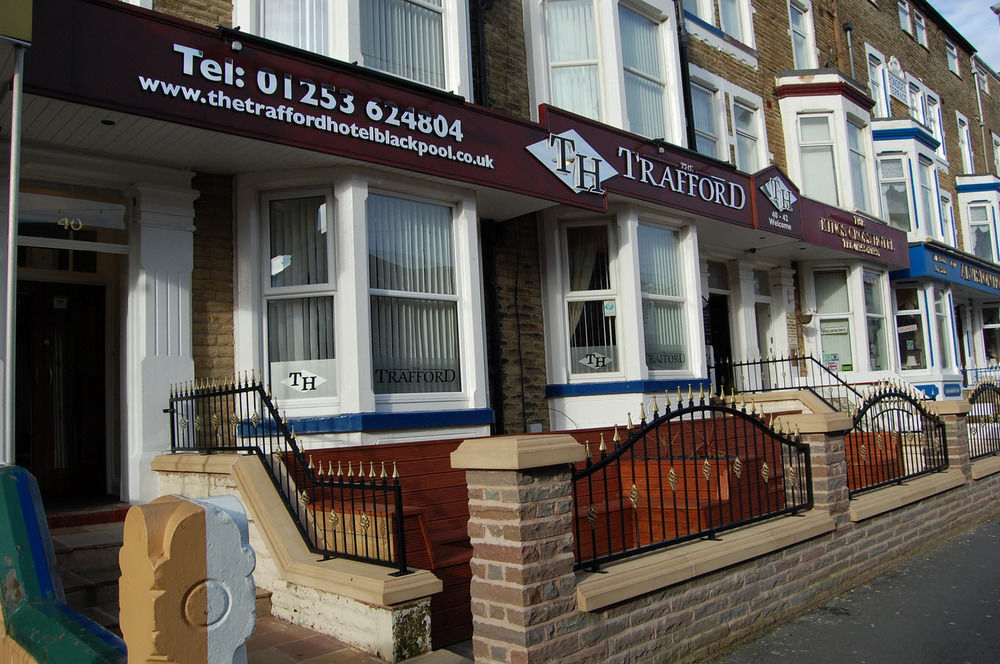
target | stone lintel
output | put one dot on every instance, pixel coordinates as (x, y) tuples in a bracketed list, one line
[(517, 452), (817, 422), (951, 407)]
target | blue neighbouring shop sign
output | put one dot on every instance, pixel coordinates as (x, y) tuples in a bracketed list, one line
[(947, 265)]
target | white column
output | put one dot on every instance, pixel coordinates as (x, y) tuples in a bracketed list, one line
[(158, 327), (786, 342)]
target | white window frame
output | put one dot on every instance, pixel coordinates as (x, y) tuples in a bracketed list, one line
[(708, 13), (928, 203), (982, 79), (919, 28), (935, 122), (989, 223), (943, 317), (345, 36), (807, 36), (965, 143), (860, 153), (752, 135), (921, 314), (725, 97), (905, 21), (715, 131), (918, 107), (990, 361), (611, 71), (996, 153), (951, 53), (352, 306), (878, 83), (905, 180), (947, 212), (876, 316)]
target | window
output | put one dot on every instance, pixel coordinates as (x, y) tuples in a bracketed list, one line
[(895, 198), (803, 52), (304, 24), (591, 305), (965, 143), (917, 109), (920, 28), (733, 16), (942, 321), (875, 321), (414, 305), (935, 122), (981, 79), (904, 16), (299, 297), (991, 333), (573, 57), (981, 230), (404, 38), (927, 197), (819, 176), (952, 53), (910, 329), (731, 19), (858, 157), (644, 81), (745, 127), (705, 128), (834, 310), (947, 220), (876, 85), (996, 153), (662, 283)]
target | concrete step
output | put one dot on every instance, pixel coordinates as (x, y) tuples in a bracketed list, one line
[(87, 547)]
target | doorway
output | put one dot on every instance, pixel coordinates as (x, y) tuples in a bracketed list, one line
[(60, 412), (718, 339)]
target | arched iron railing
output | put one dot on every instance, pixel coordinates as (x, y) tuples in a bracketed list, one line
[(894, 438), (984, 420), (340, 512), (693, 471)]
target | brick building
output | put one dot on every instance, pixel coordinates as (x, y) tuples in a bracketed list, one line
[(498, 225)]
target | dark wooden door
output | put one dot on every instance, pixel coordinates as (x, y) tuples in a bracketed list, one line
[(60, 390)]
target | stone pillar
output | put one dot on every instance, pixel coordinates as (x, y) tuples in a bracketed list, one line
[(186, 590), (824, 433), (158, 337), (521, 526), (956, 431)]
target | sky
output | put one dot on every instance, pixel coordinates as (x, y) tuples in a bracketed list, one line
[(977, 23)]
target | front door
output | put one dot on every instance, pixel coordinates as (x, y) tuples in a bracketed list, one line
[(717, 336), (60, 392)]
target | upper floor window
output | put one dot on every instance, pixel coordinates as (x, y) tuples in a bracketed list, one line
[(404, 38), (877, 85), (573, 57), (996, 153), (935, 122), (858, 161), (745, 127), (920, 28), (895, 194), (965, 143), (918, 111), (927, 206), (705, 126), (800, 20), (644, 79), (947, 219), (819, 175), (904, 16), (981, 230), (982, 80), (951, 52), (733, 16)]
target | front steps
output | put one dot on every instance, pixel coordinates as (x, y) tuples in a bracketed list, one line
[(87, 561)]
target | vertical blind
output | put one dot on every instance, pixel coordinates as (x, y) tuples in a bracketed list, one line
[(404, 38), (301, 23), (643, 80), (660, 278), (414, 338)]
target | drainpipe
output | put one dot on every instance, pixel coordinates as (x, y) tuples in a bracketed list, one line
[(17, 85), (682, 52), (494, 354), (482, 85), (849, 28)]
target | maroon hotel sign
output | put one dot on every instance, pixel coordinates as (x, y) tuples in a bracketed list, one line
[(119, 57)]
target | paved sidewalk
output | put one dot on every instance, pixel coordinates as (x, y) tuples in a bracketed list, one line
[(942, 607)]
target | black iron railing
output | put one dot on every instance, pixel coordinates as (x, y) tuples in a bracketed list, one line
[(691, 472), (894, 438), (340, 512), (983, 421), (773, 374), (975, 375)]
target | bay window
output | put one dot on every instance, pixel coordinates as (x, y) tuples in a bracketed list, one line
[(572, 44), (299, 296), (910, 329), (414, 305), (996, 154), (731, 19), (942, 320), (991, 333), (644, 79), (858, 161), (947, 212), (661, 283), (927, 207), (705, 127), (981, 230), (895, 194), (745, 126), (590, 300), (833, 306), (875, 321), (877, 84), (404, 38), (819, 176)]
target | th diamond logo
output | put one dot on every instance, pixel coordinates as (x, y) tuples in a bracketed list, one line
[(303, 381), (779, 194), (572, 160)]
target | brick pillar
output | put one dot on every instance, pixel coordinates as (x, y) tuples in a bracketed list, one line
[(521, 526), (824, 433), (956, 431)]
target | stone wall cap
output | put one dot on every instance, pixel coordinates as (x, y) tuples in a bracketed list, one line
[(517, 452), (951, 407), (220, 464), (817, 422)]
